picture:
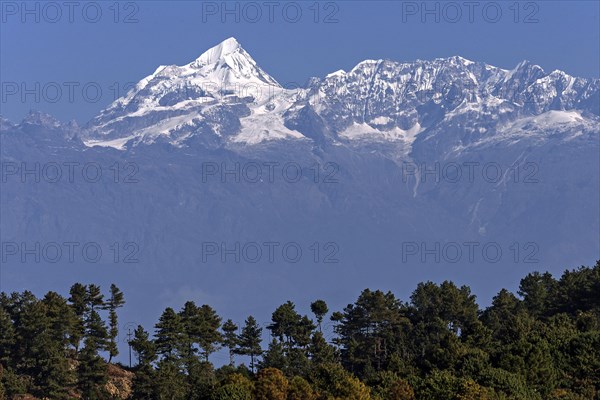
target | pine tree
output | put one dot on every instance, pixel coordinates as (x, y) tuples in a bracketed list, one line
[(143, 347), (537, 291), (94, 297), (78, 302), (201, 326), (275, 357), (201, 380), (292, 329), (144, 385), (58, 376), (209, 336), (170, 382), (115, 301), (43, 357), (250, 341), (15, 386), (189, 319), (7, 337), (230, 339), (143, 382), (303, 332), (92, 369), (285, 321), (320, 351), (92, 373), (170, 337), (370, 331), (319, 308), (96, 335), (78, 298), (26, 329)]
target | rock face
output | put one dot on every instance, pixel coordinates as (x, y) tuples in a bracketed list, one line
[(120, 382), (119, 385), (203, 163)]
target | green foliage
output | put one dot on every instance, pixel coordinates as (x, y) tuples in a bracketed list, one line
[(443, 385), (145, 349), (249, 341), (78, 304), (143, 346), (230, 339), (96, 338), (388, 385), (208, 335), (235, 387), (320, 309), (320, 351), (170, 383), (233, 391), (400, 390), (200, 379), (337, 383), (12, 384), (201, 328), (275, 356), (170, 335), (300, 389), (289, 327), (7, 336), (94, 297), (143, 385), (370, 331), (116, 300), (542, 344)]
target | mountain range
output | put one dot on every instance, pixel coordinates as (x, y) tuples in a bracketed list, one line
[(379, 175)]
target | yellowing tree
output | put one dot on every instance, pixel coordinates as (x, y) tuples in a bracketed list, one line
[(271, 384)]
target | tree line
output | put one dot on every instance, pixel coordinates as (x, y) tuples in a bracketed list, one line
[(541, 343)]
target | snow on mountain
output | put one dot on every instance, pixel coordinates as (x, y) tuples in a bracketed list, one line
[(569, 124), (444, 94), (5, 123), (229, 64), (224, 98), (210, 94)]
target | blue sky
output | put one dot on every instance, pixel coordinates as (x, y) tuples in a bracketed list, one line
[(65, 48)]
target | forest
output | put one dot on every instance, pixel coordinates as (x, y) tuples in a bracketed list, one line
[(541, 343)]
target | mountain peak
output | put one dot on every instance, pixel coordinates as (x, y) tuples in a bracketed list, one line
[(228, 63), (225, 95), (5, 123), (35, 117), (527, 65), (218, 52)]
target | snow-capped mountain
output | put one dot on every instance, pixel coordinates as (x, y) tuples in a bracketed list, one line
[(224, 97), (208, 96), (374, 146)]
